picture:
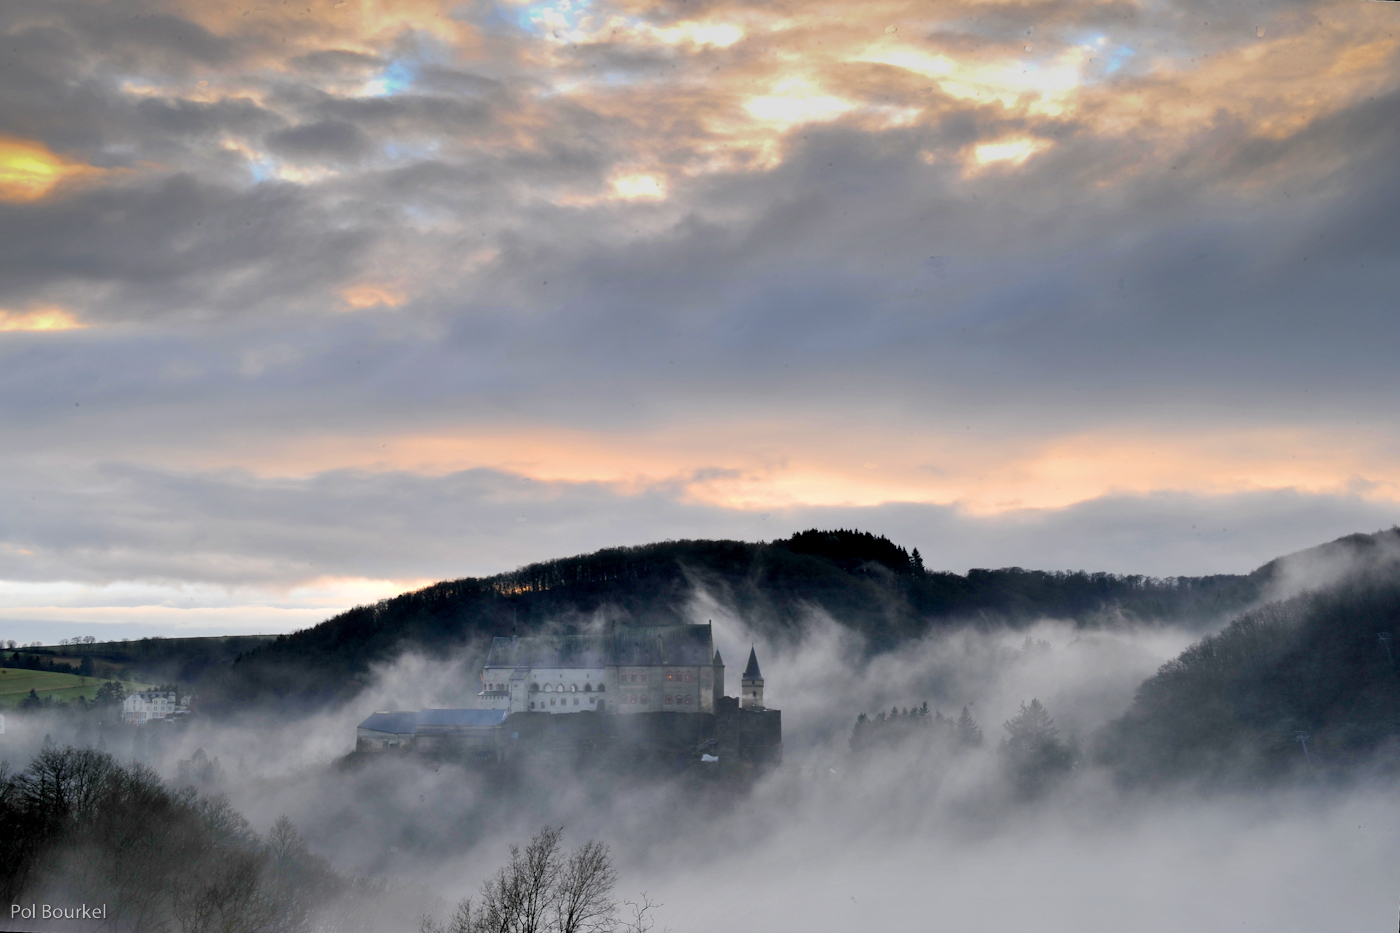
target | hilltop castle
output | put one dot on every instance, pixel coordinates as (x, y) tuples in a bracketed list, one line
[(640, 674), (630, 669)]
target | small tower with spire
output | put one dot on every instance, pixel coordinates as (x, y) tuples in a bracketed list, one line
[(719, 680), (751, 685)]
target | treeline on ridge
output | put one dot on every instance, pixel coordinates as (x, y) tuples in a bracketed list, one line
[(863, 581), (1307, 685)]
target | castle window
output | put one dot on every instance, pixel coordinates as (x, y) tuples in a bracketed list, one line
[(576, 701), (587, 688), (602, 688), (534, 688), (688, 701), (551, 701), (688, 675), (573, 688), (532, 704), (668, 699)]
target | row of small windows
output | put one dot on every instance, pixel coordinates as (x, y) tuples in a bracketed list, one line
[(671, 699), (561, 701), (550, 688)]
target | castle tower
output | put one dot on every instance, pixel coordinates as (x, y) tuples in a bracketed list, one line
[(751, 686), (719, 681)]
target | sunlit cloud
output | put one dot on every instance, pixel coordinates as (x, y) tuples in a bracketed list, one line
[(195, 606), (29, 170), (1013, 150), (793, 101), (640, 186), (44, 317), (750, 465), (372, 295)]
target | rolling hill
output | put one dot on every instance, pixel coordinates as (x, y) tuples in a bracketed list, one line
[(864, 582), (1317, 669)]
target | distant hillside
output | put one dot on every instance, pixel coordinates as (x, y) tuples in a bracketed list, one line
[(864, 582), (1322, 663), (153, 660)]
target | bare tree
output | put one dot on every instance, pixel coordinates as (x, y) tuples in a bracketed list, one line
[(518, 899), (540, 891), (642, 921), (461, 921), (583, 893)]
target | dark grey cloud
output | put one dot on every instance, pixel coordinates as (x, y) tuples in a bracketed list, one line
[(1144, 279), (334, 139), (175, 245)]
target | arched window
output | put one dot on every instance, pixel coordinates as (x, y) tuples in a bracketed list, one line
[(688, 700), (534, 688), (587, 688), (549, 688), (573, 688), (602, 688)]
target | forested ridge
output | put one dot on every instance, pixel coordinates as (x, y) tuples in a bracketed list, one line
[(863, 581), (1308, 685)]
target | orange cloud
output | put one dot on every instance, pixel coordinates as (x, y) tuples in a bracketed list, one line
[(29, 171), (768, 466), (372, 295), (48, 317)]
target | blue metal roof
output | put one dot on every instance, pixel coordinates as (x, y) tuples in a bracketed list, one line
[(406, 723), (398, 723), (462, 717)]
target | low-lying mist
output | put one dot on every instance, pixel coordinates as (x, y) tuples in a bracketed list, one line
[(909, 835)]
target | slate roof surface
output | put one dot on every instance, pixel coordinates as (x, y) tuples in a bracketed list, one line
[(752, 672), (627, 645), (539, 651), (430, 720), (399, 723), (462, 717)]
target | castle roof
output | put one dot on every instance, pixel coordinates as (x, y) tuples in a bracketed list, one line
[(719, 662), (432, 720), (547, 651), (646, 645), (752, 672), (633, 645), (397, 723)]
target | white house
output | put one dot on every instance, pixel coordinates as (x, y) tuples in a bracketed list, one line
[(141, 708)]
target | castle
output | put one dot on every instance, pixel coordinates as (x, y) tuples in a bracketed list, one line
[(629, 669), (666, 680)]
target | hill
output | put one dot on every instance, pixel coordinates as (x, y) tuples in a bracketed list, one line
[(16, 684), (863, 581), (153, 660), (1318, 667)]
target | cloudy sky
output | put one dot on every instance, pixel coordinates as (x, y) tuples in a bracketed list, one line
[(306, 303)]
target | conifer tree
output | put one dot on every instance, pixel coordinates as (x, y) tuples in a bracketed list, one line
[(968, 732)]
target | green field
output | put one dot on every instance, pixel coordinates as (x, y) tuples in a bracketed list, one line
[(16, 684)]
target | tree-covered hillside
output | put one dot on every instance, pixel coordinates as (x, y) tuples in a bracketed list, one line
[(1318, 669), (863, 581)]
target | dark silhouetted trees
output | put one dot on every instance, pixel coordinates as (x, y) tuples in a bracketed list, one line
[(1032, 753)]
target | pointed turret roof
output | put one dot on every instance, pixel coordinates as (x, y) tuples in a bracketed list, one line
[(752, 672), (719, 662)]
